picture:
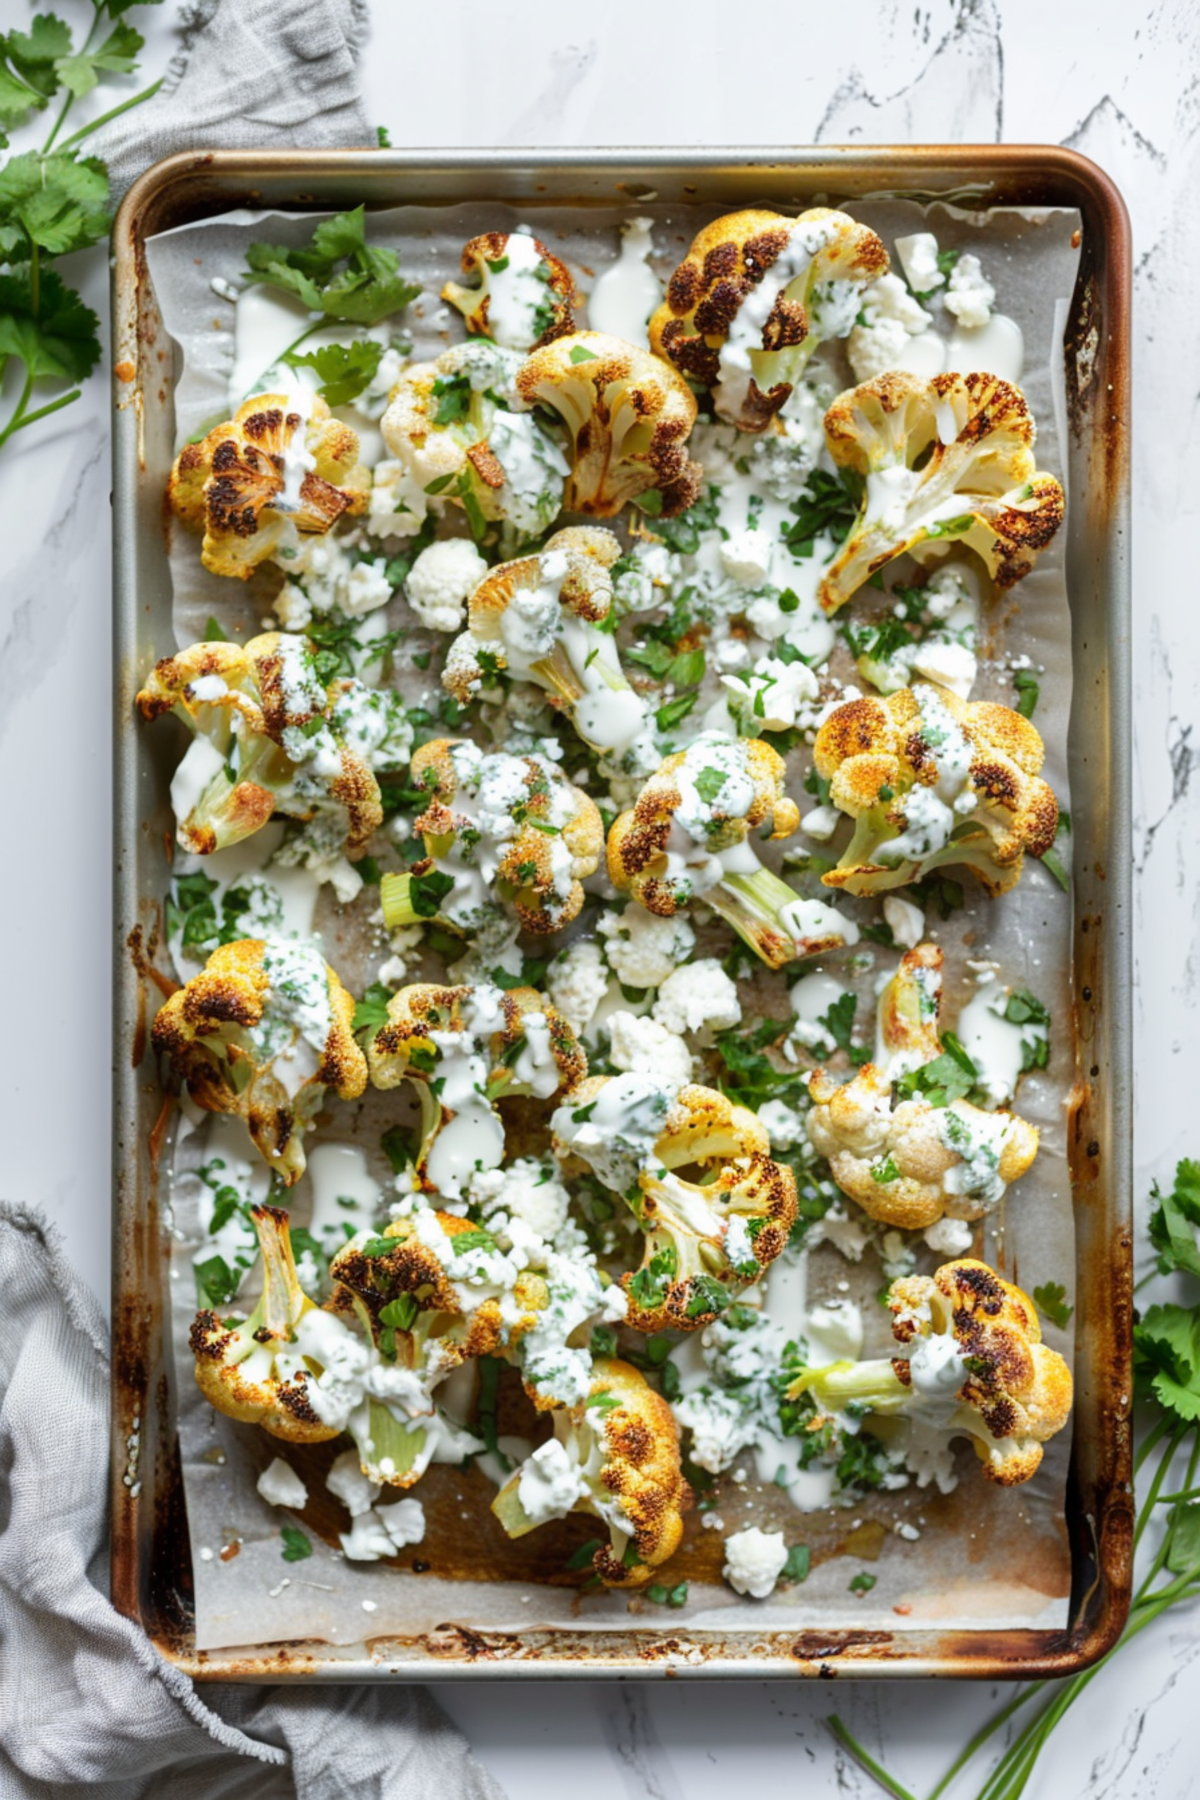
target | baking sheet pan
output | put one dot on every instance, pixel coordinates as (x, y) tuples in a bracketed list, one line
[(152, 1568)]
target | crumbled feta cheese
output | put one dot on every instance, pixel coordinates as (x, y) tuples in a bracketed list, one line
[(442, 580), (404, 1522), (549, 1484), (907, 922), (754, 1561), (527, 1190), (642, 1046), (821, 823), (785, 1127), (347, 1483), (280, 1485), (970, 294), (838, 1228), (746, 557), (698, 997), (773, 697), (918, 255)]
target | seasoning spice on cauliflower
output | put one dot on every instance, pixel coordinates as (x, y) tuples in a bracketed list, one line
[(521, 295), (615, 1456), (544, 619), (974, 1366), (265, 1031), (505, 836), (932, 782), (689, 837), (705, 1240), (281, 468), (628, 415), (755, 296), (464, 1048), (944, 460)]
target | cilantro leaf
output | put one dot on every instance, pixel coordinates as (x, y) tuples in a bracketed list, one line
[(337, 273), (58, 337), (682, 533), (948, 1077), (34, 53), (1175, 1221), (1166, 1349), (1028, 692), (1050, 1297), (370, 1013), (58, 202), (296, 1544), (345, 370), (839, 1023), (797, 1565), (426, 892), (829, 506), (117, 55)]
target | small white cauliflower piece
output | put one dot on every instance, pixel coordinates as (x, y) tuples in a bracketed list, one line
[(527, 1190), (698, 997), (576, 981), (441, 581), (644, 1047), (950, 1237), (970, 294), (890, 318), (772, 697), (642, 948), (754, 1561), (280, 1485)]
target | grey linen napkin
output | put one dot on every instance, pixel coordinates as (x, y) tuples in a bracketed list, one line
[(250, 73), (85, 1701)]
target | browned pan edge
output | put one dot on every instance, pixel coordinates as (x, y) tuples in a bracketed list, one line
[(150, 1563)]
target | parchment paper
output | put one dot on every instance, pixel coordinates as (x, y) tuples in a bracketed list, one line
[(985, 1558)]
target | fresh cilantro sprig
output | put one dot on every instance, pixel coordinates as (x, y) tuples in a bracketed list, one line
[(54, 201), (1166, 1342), (337, 273)]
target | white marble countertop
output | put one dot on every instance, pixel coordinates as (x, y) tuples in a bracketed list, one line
[(1118, 83)]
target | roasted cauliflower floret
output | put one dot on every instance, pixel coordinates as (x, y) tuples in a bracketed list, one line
[(456, 428), (510, 833), (907, 1013), (705, 1240), (252, 1370), (913, 1163), (265, 1031), (464, 1048), (272, 736), (932, 782), (944, 460), (628, 415), (615, 1456), (975, 1367), (282, 465), (689, 836), (543, 619), (522, 294), (753, 298)]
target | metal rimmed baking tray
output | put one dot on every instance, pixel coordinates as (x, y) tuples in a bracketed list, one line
[(151, 1568)]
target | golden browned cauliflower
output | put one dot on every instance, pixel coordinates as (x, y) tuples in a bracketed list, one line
[(944, 460), (282, 465), (504, 835), (975, 1367), (521, 295), (543, 619), (705, 1240), (753, 298), (615, 1456), (689, 836), (265, 1031), (252, 1369), (464, 1048), (628, 415), (457, 429), (933, 782), (271, 735)]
